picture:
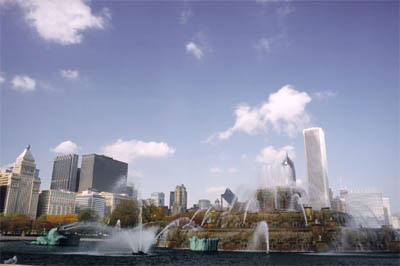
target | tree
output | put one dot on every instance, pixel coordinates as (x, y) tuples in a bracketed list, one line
[(151, 213), (127, 213), (87, 215)]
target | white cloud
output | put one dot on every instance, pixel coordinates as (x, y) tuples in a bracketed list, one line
[(23, 83), (194, 49), (62, 22), (215, 190), (129, 150), (66, 147), (215, 171), (2, 79), (232, 170), (185, 16), (69, 74), (284, 111), (270, 155), (264, 44), (285, 10), (322, 95)]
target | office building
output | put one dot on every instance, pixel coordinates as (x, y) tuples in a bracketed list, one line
[(113, 200), (56, 202), (19, 187), (90, 199), (317, 168), (204, 204), (171, 199), (386, 211), (366, 207), (102, 173), (228, 198), (180, 200), (65, 173), (157, 199)]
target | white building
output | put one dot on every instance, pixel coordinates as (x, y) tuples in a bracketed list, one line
[(180, 200), (317, 168), (386, 211), (366, 207), (90, 199), (113, 200), (158, 199), (395, 222), (204, 204), (19, 187), (56, 202)]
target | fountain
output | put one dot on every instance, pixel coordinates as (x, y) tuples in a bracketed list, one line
[(259, 234), (206, 215)]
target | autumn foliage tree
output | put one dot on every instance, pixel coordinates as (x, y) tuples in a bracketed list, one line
[(127, 213)]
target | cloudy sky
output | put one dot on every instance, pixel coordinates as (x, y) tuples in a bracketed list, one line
[(204, 93)]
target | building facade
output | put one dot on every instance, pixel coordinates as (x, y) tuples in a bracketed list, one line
[(19, 187), (102, 173), (65, 173), (113, 200), (204, 204), (366, 207), (157, 199), (317, 168), (90, 199), (56, 202), (386, 211), (180, 200)]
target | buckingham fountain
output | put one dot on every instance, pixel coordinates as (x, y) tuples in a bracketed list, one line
[(276, 216)]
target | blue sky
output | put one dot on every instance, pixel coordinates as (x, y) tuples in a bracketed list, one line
[(156, 83)]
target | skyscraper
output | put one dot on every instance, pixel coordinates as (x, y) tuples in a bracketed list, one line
[(157, 199), (317, 167), (65, 173), (180, 200), (20, 188), (102, 173), (386, 211)]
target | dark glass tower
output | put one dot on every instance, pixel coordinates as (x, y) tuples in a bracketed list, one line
[(65, 170), (102, 173)]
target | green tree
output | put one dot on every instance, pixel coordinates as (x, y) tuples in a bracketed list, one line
[(127, 213), (87, 215), (151, 213)]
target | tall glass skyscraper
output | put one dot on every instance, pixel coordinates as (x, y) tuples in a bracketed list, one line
[(103, 174), (317, 168), (65, 172)]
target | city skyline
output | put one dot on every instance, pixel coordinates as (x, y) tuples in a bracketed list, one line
[(207, 104)]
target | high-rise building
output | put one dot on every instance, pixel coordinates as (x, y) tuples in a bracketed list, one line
[(90, 199), (102, 173), (386, 211), (113, 200), (366, 207), (157, 199), (171, 199), (19, 187), (204, 204), (317, 168), (180, 200), (65, 173), (56, 202)]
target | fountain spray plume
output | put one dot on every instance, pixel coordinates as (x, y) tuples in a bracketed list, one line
[(260, 234), (206, 215)]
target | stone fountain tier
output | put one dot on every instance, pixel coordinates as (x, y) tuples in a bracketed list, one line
[(280, 198), (326, 230)]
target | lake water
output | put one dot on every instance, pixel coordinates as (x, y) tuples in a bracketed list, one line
[(97, 253)]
